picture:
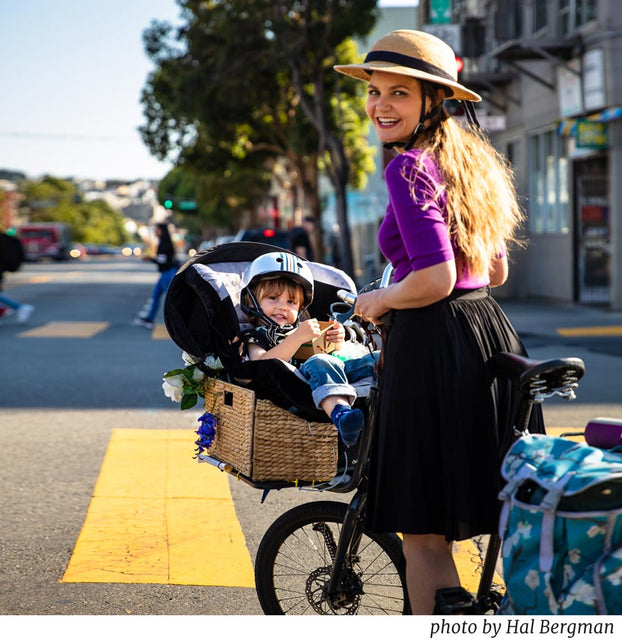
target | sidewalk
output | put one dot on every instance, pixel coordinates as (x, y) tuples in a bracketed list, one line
[(593, 334), (535, 318)]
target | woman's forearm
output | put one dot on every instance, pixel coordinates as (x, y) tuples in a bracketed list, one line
[(417, 289), (421, 288)]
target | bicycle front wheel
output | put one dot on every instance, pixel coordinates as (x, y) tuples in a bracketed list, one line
[(295, 560)]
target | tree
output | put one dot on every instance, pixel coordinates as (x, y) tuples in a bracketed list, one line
[(313, 36), (249, 81), (55, 200)]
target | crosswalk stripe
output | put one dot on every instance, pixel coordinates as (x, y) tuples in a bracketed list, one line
[(82, 330), (66, 330), (157, 516), (160, 333)]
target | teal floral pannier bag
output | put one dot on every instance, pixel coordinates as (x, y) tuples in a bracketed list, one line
[(561, 525)]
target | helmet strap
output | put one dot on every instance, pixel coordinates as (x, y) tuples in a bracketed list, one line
[(255, 311), (469, 110), (419, 129)]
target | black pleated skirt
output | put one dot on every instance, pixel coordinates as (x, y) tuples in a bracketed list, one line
[(444, 420)]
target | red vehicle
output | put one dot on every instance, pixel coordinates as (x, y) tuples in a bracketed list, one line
[(45, 240)]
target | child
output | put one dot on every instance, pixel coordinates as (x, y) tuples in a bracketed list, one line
[(277, 288)]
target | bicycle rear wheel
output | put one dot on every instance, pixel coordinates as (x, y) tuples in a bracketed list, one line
[(295, 559)]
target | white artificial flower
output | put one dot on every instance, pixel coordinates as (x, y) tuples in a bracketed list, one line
[(213, 362), (188, 359), (173, 387), (197, 375)]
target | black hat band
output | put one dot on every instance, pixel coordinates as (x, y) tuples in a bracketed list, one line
[(408, 61)]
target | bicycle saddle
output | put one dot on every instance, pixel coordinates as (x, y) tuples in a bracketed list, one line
[(539, 376)]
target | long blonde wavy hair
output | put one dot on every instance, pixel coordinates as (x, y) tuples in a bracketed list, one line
[(483, 214)]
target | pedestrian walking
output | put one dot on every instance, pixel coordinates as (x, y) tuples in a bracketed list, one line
[(167, 266), (451, 218), (11, 258)]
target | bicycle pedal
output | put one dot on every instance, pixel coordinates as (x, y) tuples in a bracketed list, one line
[(453, 601)]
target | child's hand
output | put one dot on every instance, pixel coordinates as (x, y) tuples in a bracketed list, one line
[(308, 330), (336, 333)]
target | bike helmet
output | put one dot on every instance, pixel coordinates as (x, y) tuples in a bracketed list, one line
[(275, 265)]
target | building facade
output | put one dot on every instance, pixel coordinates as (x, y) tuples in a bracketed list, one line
[(550, 74)]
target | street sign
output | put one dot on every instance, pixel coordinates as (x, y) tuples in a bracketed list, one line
[(440, 11), (449, 33), (491, 123)]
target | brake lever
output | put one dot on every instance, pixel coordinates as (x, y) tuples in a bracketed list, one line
[(343, 316), (346, 303)]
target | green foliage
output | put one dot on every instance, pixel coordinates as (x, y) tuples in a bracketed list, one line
[(244, 82), (56, 200)]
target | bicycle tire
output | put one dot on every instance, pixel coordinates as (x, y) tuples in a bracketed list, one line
[(293, 565)]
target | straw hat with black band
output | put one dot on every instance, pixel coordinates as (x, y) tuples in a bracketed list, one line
[(419, 55)]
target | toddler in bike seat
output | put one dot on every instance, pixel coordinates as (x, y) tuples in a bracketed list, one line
[(277, 288)]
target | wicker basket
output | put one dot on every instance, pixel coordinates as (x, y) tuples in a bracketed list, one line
[(265, 442)]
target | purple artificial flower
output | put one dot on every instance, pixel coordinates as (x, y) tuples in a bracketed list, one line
[(206, 431)]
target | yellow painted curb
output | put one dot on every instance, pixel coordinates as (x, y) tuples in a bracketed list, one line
[(591, 331), (469, 565), (158, 516)]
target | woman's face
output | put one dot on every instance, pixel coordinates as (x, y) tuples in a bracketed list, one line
[(393, 105)]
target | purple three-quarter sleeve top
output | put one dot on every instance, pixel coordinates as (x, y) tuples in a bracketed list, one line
[(413, 234)]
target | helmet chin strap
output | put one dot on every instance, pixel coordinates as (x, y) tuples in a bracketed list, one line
[(419, 129), (255, 311)]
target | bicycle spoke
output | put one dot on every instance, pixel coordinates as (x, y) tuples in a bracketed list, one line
[(295, 567)]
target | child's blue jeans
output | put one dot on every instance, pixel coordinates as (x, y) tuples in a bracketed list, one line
[(330, 376)]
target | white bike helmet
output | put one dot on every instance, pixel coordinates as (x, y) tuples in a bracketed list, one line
[(276, 265)]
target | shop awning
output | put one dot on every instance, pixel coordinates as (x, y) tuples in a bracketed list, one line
[(568, 127)]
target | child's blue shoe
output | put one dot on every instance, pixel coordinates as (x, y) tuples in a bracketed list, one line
[(349, 423)]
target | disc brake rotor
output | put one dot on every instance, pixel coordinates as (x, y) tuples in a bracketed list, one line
[(341, 604)]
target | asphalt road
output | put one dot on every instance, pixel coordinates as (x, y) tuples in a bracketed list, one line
[(61, 397)]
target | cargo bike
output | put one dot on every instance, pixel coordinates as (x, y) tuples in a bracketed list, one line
[(318, 557)]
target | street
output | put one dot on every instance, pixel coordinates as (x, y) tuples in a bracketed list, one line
[(63, 393), (78, 371)]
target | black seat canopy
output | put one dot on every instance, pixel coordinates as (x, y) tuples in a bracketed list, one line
[(203, 317)]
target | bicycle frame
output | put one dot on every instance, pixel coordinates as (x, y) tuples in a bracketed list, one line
[(352, 529)]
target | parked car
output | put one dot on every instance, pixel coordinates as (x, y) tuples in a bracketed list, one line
[(277, 237)]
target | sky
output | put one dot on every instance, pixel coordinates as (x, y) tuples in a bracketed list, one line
[(71, 79)]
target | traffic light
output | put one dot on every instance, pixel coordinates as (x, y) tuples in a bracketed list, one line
[(187, 206), (459, 64), (184, 205)]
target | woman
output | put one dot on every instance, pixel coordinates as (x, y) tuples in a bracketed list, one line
[(167, 266), (443, 426)]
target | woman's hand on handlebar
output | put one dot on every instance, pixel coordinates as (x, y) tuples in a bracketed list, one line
[(370, 307)]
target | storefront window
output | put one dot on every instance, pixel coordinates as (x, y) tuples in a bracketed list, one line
[(548, 184)]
